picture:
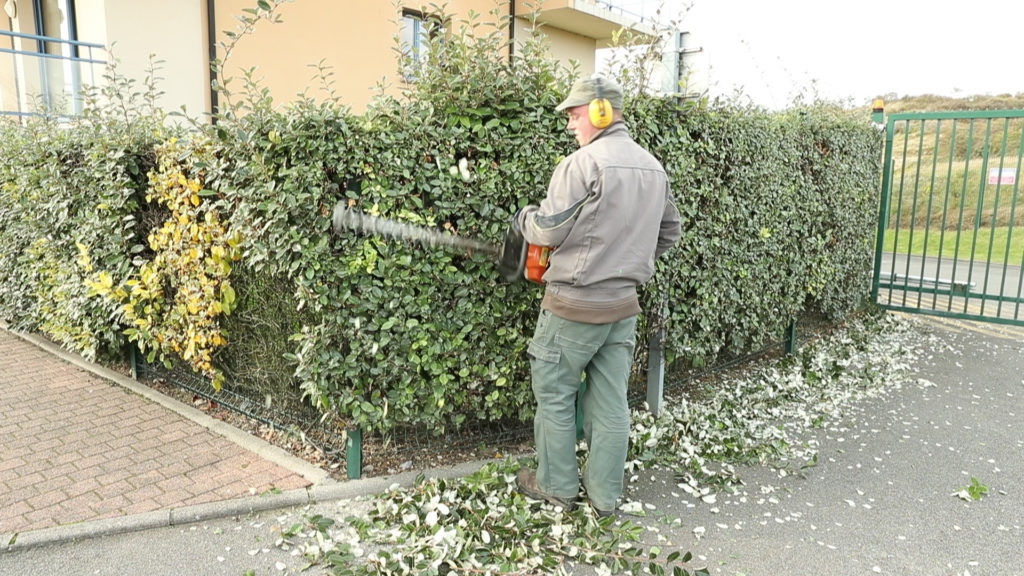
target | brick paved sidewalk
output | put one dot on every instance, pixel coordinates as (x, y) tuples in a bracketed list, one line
[(75, 447)]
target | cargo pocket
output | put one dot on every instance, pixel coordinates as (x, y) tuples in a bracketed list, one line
[(544, 354), (547, 371)]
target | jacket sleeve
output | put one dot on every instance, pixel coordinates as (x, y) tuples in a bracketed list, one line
[(670, 230), (549, 224)]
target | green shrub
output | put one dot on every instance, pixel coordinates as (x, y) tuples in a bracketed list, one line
[(777, 213), (71, 193)]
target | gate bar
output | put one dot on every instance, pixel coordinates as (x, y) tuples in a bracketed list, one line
[(931, 197), (995, 210), (883, 211), (1009, 231), (978, 211), (945, 207)]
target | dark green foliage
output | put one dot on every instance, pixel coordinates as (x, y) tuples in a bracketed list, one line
[(778, 217)]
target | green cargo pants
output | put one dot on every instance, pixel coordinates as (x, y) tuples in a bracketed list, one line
[(561, 353)]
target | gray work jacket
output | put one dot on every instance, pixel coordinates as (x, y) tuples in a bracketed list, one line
[(609, 213)]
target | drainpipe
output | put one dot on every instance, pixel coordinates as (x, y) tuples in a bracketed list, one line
[(211, 40), (511, 31)]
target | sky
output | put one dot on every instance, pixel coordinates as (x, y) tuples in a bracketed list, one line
[(851, 52)]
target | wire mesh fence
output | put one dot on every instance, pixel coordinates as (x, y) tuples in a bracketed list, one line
[(305, 422), (404, 445)]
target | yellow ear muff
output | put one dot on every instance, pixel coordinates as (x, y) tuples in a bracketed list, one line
[(600, 113), (600, 109)]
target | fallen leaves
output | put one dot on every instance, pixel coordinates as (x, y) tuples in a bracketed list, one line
[(760, 416)]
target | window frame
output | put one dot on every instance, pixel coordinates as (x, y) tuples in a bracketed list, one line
[(425, 29)]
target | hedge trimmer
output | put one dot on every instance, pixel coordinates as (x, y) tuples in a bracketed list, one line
[(514, 257)]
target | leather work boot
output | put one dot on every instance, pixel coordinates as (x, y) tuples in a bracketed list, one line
[(526, 484)]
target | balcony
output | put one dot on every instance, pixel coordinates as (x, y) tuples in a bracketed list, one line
[(45, 75), (597, 19)]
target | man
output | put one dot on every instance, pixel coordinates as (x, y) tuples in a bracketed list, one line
[(608, 214)]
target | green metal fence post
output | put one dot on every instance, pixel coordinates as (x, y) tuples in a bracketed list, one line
[(133, 360), (656, 363), (655, 373), (354, 453), (579, 409), (883, 209), (790, 342)]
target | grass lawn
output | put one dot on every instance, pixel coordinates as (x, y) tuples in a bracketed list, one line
[(948, 249)]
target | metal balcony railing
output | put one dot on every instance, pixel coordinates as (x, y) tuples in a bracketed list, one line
[(619, 8), (45, 75)]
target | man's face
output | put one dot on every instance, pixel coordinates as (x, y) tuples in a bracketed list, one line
[(579, 124)]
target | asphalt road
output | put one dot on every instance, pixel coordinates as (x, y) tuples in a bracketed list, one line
[(990, 279), (881, 500)]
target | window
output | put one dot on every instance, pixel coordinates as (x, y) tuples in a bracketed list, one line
[(49, 67), (415, 36)]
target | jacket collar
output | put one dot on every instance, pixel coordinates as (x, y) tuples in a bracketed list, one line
[(617, 127)]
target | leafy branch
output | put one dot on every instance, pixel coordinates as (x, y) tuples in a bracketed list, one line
[(265, 11), (478, 524)]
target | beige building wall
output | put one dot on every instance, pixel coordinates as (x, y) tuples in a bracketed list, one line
[(92, 24), (8, 83), (352, 39), (567, 47), (356, 41), (172, 33)]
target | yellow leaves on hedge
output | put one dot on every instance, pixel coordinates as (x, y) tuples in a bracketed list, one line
[(84, 259), (102, 286), (175, 300)]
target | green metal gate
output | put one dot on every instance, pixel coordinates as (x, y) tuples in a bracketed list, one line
[(951, 222)]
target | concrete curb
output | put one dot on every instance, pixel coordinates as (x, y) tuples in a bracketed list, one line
[(318, 493)]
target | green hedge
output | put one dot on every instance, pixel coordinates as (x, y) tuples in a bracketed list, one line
[(777, 218), (72, 201)]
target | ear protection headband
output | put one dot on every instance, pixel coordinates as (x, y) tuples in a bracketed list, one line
[(600, 109)]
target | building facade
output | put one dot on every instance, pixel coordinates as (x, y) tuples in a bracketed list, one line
[(50, 49)]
